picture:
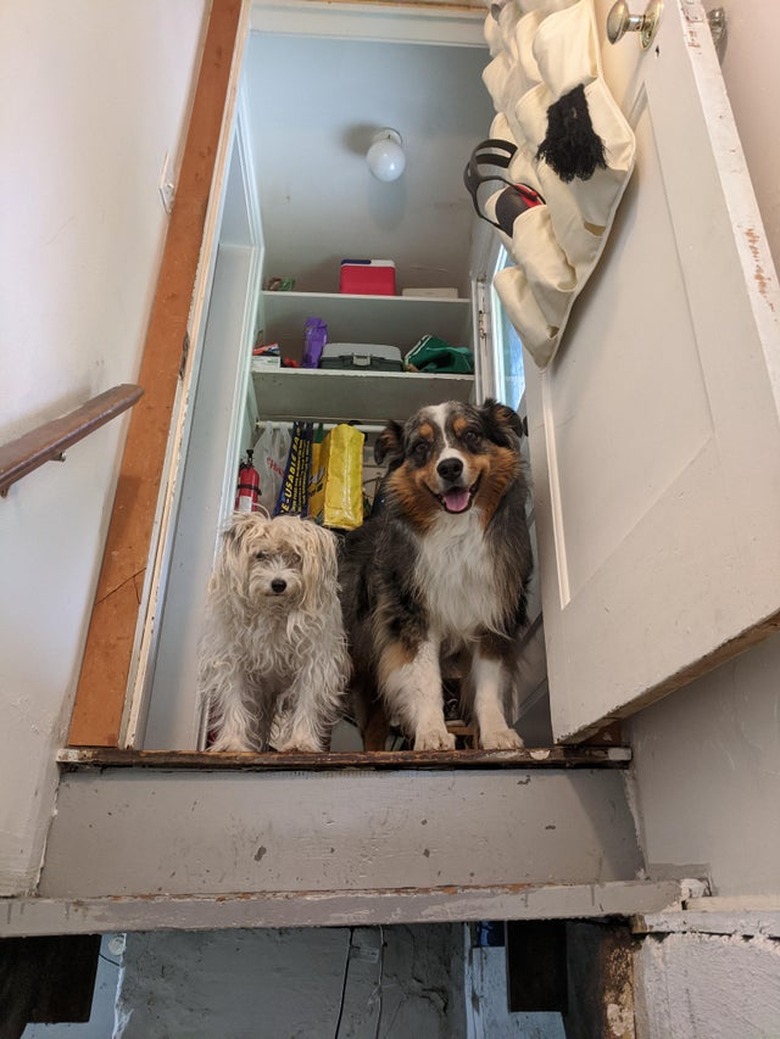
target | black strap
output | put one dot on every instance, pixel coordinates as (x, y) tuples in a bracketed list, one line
[(491, 152), (497, 153)]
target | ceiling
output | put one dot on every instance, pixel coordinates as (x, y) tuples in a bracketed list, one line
[(314, 104)]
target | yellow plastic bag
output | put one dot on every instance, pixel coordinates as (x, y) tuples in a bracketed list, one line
[(336, 486)]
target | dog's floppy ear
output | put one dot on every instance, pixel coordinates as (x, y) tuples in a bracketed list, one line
[(499, 420), (228, 574), (320, 565), (239, 526), (390, 445)]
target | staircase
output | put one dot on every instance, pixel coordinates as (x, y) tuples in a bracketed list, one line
[(146, 840)]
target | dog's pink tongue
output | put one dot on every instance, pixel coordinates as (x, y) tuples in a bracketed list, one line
[(457, 500)]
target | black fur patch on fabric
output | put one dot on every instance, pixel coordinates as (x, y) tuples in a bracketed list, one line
[(572, 148)]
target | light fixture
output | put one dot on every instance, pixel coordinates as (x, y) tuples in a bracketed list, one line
[(385, 157)]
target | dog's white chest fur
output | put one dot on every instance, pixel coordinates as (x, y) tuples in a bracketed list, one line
[(455, 574)]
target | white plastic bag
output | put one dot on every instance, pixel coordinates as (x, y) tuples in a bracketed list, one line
[(270, 457)]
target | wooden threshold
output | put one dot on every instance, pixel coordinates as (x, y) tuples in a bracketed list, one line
[(74, 759)]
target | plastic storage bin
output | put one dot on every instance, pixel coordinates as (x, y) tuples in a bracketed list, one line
[(366, 356)]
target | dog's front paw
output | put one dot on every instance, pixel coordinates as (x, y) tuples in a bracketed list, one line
[(500, 739), (434, 739)]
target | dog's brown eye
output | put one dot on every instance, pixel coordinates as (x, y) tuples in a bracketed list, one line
[(261, 555), (420, 451), (471, 438)]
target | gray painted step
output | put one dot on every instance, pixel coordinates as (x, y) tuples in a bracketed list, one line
[(143, 832)]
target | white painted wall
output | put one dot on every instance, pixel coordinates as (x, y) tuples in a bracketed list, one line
[(92, 96), (708, 987), (707, 773)]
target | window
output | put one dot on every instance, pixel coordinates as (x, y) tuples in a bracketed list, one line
[(507, 347)]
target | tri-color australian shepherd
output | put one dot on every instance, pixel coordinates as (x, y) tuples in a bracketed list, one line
[(435, 583)]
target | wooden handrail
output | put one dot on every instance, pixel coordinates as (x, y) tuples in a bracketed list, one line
[(47, 442)]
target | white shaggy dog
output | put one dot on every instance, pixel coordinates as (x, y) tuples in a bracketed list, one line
[(273, 663)]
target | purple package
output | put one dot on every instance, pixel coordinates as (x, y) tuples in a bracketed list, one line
[(315, 336)]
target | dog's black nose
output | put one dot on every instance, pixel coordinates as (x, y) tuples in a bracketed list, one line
[(449, 468), (278, 585)]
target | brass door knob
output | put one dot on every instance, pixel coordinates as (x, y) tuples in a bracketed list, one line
[(620, 21)]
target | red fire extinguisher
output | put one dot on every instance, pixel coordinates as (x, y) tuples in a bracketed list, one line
[(248, 489)]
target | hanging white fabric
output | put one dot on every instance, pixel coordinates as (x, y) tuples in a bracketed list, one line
[(543, 52)]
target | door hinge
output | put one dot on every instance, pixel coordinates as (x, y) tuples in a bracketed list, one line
[(483, 313), (716, 19)]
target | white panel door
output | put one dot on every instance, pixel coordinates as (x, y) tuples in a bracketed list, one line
[(655, 435)]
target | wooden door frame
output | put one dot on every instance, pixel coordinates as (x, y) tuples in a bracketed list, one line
[(132, 575), (123, 590)]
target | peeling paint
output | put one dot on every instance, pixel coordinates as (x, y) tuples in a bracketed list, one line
[(620, 1021), (760, 276), (695, 19)]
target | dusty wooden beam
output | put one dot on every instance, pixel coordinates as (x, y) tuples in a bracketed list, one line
[(105, 668), (75, 759)]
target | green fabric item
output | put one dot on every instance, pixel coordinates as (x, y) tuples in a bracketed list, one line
[(432, 354)]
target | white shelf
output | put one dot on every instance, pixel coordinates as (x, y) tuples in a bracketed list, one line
[(393, 320), (343, 396)]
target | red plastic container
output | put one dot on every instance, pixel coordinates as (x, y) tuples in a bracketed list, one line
[(368, 277)]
